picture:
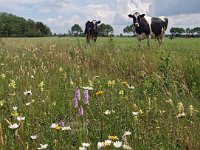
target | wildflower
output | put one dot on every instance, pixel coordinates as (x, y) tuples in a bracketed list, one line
[(121, 92), (80, 111), (33, 137), (131, 87), (117, 144), (181, 115), (3, 76), (111, 83), (41, 86), (43, 146), (15, 108), (86, 97), (126, 133), (66, 128), (2, 102), (61, 123), (99, 93), (27, 92), (12, 84), (88, 88), (77, 93), (27, 104), (191, 110), (75, 102), (124, 83), (86, 145), (90, 83), (13, 126), (113, 138), (180, 107), (141, 111), (19, 118), (135, 113), (170, 102), (107, 112), (108, 142), (14, 114), (55, 126), (125, 146), (82, 148), (60, 69), (32, 77), (100, 145)]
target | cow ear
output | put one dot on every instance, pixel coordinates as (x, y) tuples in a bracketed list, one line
[(98, 22), (130, 16), (142, 15)]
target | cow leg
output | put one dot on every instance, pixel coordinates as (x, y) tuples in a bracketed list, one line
[(95, 39), (148, 41), (139, 43)]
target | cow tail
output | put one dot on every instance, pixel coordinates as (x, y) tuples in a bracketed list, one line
[(165, 23)]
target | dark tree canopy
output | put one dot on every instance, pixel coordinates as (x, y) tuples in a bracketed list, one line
[(129, 29), (76, 29), (14, 26), (105, 29)]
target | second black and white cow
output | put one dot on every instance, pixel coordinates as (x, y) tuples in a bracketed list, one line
[(149, 27), (91, 30)]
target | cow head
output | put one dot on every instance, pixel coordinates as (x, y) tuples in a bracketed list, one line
[(136, 18), (95, 23)]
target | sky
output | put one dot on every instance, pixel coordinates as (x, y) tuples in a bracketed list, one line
[(61, 15)]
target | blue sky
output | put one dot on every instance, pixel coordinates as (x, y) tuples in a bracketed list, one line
[(60, 15)]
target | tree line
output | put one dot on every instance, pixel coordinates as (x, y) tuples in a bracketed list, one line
[(179, 31), (14, 26)]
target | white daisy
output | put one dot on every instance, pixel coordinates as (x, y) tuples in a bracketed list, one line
[(33, 137), (43, 146), (117, 144), (13, 126), (86, 144)]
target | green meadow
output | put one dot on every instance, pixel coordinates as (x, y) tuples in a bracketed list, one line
[(64, 94)]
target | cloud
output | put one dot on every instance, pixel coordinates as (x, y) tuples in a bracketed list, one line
[(174, 7), (60, 15)]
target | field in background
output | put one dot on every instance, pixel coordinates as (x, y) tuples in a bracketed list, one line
[(146, 99)]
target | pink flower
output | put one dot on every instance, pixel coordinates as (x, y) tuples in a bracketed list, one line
[(86, 97)]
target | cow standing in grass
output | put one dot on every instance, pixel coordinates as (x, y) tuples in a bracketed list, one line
[(149, 27), (91, 30)]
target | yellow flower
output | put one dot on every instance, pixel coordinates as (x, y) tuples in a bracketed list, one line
[(3, 76), (180, 107), (124, 83), (12, 84), (90, 83), (99, 93), (2, 102), (14, 114), (41, 86), (112, 138), (60, 69), (121, 92), (111, 83)]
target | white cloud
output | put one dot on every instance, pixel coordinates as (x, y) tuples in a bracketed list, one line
[(60, 15)]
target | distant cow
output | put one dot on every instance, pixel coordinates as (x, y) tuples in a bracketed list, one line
[(149, 27), (91, 30)]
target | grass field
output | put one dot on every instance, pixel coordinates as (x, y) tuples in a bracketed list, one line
[(109, 95)]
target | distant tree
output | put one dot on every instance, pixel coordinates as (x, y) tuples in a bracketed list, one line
[(177, 30), (105, 29), (196, 30), (76, 29), (129, 29), (14, 26)]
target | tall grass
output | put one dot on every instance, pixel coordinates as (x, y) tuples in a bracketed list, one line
[(152, 93)]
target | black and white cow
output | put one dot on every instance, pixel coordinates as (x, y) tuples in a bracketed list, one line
[(149, 27), (91, 30)]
